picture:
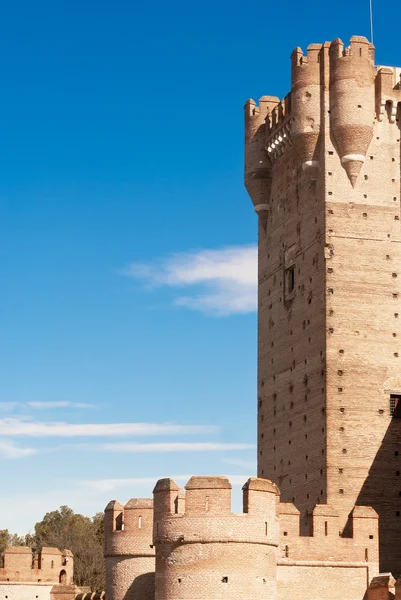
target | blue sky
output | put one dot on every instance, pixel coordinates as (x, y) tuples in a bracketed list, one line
[(127, 253)]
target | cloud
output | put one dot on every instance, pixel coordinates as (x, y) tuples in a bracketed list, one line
[(19, 427), (59, 404), (10, 406), (9, 450), (225, 280), (175, 447), (7, 406)]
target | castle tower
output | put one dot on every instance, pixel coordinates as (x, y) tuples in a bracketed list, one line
[(204, 550), (128, 550), (329, 370)]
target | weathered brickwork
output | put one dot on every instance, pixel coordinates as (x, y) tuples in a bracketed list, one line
[(50, 565), (129, 552), (47, 575), (203, 551), (323, 170)]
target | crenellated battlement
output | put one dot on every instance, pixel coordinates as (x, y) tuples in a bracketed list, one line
[(325, 542), (128, 528), (200, 544), (48, 565), (388, 92), (333, 87)]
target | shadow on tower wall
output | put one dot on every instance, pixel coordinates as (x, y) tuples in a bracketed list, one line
[(382, 491), (142, 588)]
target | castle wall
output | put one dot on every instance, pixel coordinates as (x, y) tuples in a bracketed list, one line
[(20, 566), (317, 581), (25, 591), (291, 333)]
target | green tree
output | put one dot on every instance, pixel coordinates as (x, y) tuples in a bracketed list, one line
[(64, 529)]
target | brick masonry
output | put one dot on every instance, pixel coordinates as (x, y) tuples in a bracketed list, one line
[(329, 285)]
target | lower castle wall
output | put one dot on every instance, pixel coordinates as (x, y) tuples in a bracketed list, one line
[(25, 591), (215, 571), (321, 580), (122, 583)]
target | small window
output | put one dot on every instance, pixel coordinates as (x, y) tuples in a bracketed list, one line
[(290, 279), (139, 522), (224, 580), (395, 406)]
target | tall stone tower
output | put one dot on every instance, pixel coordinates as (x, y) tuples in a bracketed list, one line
[(322, 168)]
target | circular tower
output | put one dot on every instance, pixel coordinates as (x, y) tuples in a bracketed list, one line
[(258, 178), (204, 550), (352, 101), (306, 106), (128, 550)]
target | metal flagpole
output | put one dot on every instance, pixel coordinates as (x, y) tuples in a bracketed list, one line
[(371, 21)]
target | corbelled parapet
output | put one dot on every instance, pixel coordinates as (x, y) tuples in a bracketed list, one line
[(206, 549), (352, 101), (128, 550), (335, 91)]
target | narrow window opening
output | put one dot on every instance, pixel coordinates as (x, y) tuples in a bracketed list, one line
[(207, 504), (287, 551), (366, 555), (119, 522), (265, 528), (371, 537), (139, 522), (290, 279), (395, 406), (325, 528)]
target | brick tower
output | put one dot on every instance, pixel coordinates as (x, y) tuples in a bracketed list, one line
[(128, 550), (203, 550), (322, 168)]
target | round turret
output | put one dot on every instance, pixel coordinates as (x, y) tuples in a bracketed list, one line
[(208, 550), (128, 550), (305, 106), (352, 101), (257, 162)]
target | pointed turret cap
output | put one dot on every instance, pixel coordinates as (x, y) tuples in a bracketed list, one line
[(353, 166)]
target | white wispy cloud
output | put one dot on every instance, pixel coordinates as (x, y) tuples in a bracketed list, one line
[(11, 427), (174, 447), (59, 404), (224, 281), (8, 406), (43, 405), (10, 450)]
